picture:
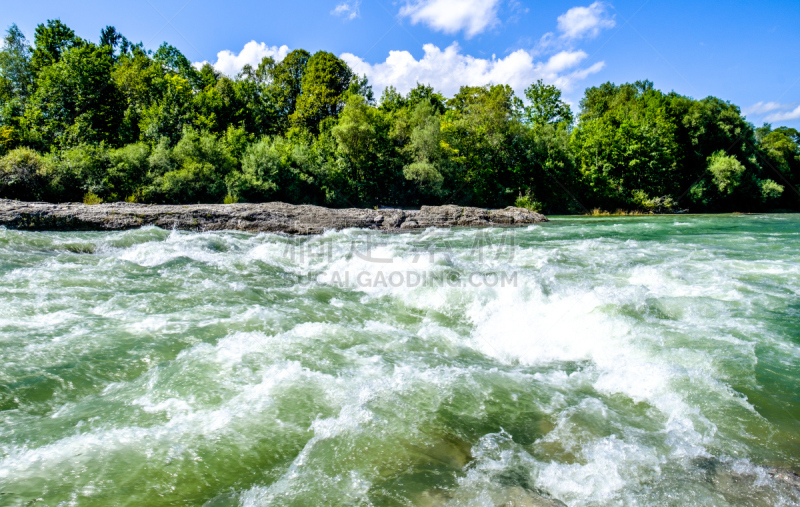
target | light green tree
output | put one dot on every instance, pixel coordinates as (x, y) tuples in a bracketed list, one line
[(726, 172), (546, 105)]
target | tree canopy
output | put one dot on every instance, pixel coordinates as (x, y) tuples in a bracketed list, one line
[(111, 121)]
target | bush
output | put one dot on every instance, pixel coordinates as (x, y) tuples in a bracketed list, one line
[(424, 173), (23, 175), (81, 170), (770, 190), (161, 160), (277, 169), (201, 164), (529, 203), (261, 165), (128, 170), (726, 171), (663, 204), (91, 199)]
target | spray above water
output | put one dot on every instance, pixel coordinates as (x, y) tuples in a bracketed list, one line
[(601, 362)]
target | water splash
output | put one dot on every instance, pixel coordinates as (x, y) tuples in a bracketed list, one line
[(634, 360)]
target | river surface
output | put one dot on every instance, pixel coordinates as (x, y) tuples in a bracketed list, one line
[(589, 361)]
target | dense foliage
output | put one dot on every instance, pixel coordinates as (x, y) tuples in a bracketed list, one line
[(108, 121)]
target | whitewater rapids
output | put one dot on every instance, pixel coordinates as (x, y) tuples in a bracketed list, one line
[(615, 361)]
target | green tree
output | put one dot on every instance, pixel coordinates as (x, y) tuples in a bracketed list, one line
[(82, 169), (779, 154), (285, 81), (51, 40), (549, 174), (391, 100), (262, 166), (364, 152), (110, 37), (483, 133), (143, 84), (325, 80), (546, 105), (782, 149), (426, 93), (429, 158), (275, 168), (76, 100), (128, 171), (176, 63), (171, 112), (770, 190), (726, 172), (626, 143), (16, 72), (16, 84)]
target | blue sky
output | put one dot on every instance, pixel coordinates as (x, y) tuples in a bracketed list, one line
[(745, 52)]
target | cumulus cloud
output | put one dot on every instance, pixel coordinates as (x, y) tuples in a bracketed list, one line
[(447, 70), (451, 16), (555, 61), (576, 24), (347, 9), (583, 22), (794, 114), (252, 53)]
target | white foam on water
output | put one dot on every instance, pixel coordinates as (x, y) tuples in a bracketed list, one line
[(573, 325), (184, 422), (610, 466), (626, 346)]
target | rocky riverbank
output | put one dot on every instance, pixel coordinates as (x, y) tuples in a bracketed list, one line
[(267, 217)]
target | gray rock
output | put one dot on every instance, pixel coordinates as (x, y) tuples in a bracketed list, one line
[(267, 217), (513, 496), (785, 476)]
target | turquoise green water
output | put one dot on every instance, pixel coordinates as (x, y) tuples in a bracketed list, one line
[(621, 361)]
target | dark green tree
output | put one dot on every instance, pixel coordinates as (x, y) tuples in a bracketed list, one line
[(483, 132), (285, 81), (51, 40), (76, 101), (175, 62), (110, 37)]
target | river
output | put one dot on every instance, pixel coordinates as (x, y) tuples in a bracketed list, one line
[(590, 361)]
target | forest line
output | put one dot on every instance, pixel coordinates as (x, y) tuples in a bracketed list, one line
[(110, 121)]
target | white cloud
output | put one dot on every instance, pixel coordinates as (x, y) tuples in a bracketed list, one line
[(347, 9), (580, 22), (760, 108), (252, 53), (576, 24), (794, 114), (447, 70), (780, 112), (451, 16)]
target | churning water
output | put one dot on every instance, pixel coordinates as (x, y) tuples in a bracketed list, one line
[(617, 361)]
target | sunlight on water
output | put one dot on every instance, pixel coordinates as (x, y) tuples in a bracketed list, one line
[(615, 361)]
